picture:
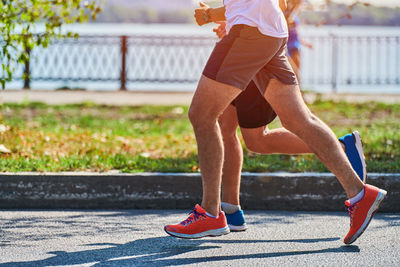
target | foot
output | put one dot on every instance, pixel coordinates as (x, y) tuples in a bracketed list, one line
[(198, 225), (361, 212), (236, 221), (355, 154)]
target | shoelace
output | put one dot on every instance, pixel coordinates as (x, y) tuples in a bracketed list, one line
[(351, 210), (194, 216)]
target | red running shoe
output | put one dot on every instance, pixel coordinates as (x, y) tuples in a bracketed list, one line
[(198, 225), (361, 212)]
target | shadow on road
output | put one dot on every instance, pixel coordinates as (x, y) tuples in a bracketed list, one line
[(184, 261), (155, 251), (389, 220)]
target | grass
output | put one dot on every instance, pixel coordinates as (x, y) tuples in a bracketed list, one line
[(88, 137)]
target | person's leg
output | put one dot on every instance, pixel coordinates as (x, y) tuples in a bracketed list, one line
[(264, 141), (281, 141), (287, 102), (209, 101), (361, 206), (363, 200), (234, 61), (233, 156), (231, 171)]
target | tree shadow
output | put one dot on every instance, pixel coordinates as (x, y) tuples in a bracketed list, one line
[(155, 251)]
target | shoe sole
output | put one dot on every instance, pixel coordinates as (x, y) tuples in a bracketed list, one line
[(360, 151), (237, 228), (374, 208), (215, 232)]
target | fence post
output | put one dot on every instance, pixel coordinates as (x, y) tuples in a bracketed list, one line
[(334, 63), (124, 50), (397, 73), (27, 71)]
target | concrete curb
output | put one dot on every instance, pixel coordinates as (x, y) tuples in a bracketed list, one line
[(263, 191)]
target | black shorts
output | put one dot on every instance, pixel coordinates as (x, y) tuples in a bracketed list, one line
[(252, 109), (246, 54)]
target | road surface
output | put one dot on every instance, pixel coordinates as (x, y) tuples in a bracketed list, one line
[(136, 238)]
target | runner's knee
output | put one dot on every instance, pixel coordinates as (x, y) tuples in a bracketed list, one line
[(264, 147), (194, 116), (199, 118), (299, 124), (252, 138)]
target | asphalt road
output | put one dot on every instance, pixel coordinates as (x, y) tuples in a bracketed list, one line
[(136, 238)]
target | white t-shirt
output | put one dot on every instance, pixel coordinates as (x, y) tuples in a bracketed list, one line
[(263, 14)]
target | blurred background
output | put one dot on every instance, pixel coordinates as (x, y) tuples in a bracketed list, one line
[(154, 45)]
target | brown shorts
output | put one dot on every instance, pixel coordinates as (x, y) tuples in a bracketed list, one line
[(252, 109), (246, 54)]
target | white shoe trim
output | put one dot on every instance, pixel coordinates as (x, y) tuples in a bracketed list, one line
[(360, 151), (374, 207), (235, 228), (214, 232)]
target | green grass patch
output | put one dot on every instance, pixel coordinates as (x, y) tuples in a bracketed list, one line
[(89, 137)]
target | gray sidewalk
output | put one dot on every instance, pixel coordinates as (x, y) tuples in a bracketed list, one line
[(98, 97), (136, 238), (154, 98)]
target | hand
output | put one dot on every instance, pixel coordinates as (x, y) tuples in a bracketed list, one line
[(220, 30), (290, 21), (309, 46), (201, 15), (306, 44)]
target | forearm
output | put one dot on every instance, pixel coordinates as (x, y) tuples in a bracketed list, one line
[(283, 5), (293, 9), (216, 14)]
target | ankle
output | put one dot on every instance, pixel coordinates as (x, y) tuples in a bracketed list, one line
[(357, 197), (212, 210), (355, 191), (229, 208)]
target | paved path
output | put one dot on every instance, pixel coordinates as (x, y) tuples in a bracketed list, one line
[(153, 98), (98, 97), (136, 238)]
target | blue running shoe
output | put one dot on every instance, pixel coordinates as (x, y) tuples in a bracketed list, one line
[(236, 221), (355, 154)]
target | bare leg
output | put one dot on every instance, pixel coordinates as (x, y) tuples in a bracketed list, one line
[(209, 101), (264, 141), (233, 156), (288, 103)]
